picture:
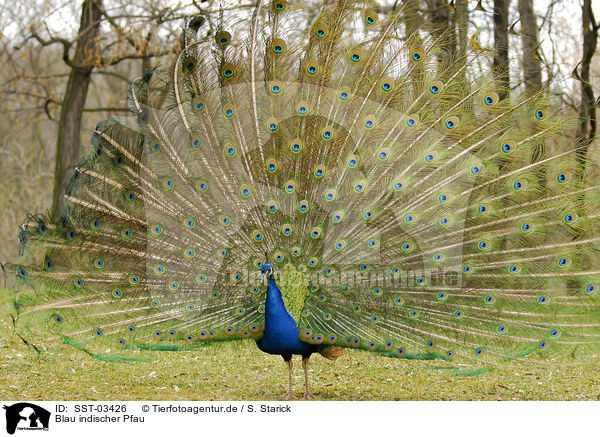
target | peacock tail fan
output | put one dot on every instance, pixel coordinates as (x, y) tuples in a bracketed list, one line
[(406, 208)]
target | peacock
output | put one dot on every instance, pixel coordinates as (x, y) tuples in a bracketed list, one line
[(320, 177)]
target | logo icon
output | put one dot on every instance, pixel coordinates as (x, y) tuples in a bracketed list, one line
[(26, 416)]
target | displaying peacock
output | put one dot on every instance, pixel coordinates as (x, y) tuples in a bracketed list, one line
[(317, 181)]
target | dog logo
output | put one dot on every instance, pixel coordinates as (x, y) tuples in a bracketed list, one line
[(26, 416)]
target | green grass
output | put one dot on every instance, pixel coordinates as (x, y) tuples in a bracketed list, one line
[(240, 371)]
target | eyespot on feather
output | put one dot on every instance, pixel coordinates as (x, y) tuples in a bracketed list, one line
[(312, 68), (541, 113), (320, 30), (344, 94), (276, 88), (199, 104), (272, 125), (228, 71), (370, 17), (508, 146), (229, 110), (296, 145), (387, 84), (223, 38), (188, 64), (412, 120), (417, 55), (451, 122), (356, 55), (302, 108), (278, 47), (279, 5), (490, 99), (436, 87)]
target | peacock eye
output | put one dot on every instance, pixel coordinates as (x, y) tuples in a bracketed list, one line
[(387, 85)]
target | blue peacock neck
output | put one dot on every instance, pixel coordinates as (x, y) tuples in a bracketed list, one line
[(281, 332), (274, 306)]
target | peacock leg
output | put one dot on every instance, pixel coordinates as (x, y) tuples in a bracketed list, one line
[(307, 394), (290, 394)]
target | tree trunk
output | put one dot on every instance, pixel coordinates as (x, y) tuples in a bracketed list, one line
[(440, 17), (531, 63), (532, 69), (501, 66), (587, 111), (462, 22), (68, 143)]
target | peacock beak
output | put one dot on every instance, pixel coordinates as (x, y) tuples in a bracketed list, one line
[(266, 274)]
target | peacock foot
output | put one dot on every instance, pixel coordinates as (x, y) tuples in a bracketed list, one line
[(309, 395), (289, 395)]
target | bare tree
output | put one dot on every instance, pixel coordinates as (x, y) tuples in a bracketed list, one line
[(130, 37), (531, 62), (461, 17), (587, 111), (501, 65), (69, 125), (440, 17)]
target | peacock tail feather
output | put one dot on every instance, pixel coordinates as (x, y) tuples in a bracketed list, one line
[(406, 208)]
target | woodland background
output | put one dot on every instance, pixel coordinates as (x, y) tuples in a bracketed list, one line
[(66, 65)]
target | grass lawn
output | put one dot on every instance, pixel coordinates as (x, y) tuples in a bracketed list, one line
[(240, 371)]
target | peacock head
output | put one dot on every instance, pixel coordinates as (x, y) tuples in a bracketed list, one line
[(267, 271)]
